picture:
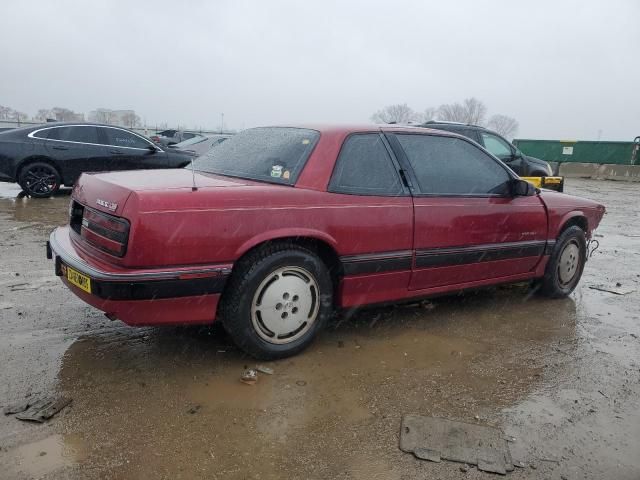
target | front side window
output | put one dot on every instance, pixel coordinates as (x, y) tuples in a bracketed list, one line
[(364, 167), (496, 145), (452, 166), (270, 154), (122, 138)]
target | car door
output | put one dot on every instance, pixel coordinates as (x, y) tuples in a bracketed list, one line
[(468, 226), (128, 151), (502, 149), (75, 148), (373, 217)]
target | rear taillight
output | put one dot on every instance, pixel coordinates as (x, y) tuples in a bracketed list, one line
[(75, 216), (105, 232)]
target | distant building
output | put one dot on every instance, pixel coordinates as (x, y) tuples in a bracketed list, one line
[(70, 117), (122, 118)]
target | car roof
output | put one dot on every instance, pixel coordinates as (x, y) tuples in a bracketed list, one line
[(454, 125), (64, 124), (346, 129)]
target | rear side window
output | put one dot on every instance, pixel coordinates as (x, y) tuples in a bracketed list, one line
[(41, 134), (122, 138), (82, 134), (364, 167), (452, 166)]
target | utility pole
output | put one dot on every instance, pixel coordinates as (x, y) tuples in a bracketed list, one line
[(221, 122)]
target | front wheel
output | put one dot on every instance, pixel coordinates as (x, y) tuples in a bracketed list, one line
[(278, 298), (39, 179), (566, 264)]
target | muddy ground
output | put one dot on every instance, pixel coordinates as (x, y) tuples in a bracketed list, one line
[(562, 377)]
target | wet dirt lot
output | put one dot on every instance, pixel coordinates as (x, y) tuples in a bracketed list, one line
[(562, 377)]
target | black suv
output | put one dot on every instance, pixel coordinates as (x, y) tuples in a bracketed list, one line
[(44, 157), (520, 163)]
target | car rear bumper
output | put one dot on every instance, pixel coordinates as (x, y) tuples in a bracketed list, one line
[(139, 297)]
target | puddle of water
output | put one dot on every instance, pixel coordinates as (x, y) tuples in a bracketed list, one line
[(9, 190), (174, 397), (32, 212), (46, 456)]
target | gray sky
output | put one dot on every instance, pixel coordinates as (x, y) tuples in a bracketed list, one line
[(563, 69)]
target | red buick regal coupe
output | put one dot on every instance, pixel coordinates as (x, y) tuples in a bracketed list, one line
[(274, 228)]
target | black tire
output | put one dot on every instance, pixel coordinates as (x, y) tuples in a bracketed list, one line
[(566, 264), (39, 179), (255, 276)]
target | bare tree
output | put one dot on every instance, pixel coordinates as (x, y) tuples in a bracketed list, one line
[(44, 114), (5, 113), (19, 116), (130, 119), (400, 113), (471, 110), (65, 115), (8, 113), (103, 115), (430, 113), (504, 125)]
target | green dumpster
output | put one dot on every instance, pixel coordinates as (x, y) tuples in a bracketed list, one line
[(619, 153)]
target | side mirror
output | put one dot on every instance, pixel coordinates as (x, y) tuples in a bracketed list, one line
[(152, 148), (522, 188)]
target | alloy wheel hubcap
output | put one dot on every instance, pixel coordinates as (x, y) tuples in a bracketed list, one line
[(285, 305), (569, 263), (40, 180)]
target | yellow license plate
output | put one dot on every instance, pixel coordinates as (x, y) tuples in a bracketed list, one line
[(79, 280)]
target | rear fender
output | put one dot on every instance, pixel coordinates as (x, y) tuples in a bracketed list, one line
[(285, 233)]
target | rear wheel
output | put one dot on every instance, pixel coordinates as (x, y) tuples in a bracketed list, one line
[(566, 264), (277, 300), (39, 179)]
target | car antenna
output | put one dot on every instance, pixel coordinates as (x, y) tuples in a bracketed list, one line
[(193, 177)]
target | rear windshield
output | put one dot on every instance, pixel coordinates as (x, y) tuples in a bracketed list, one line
[(269, 154)]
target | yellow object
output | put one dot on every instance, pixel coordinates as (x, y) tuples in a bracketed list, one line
[(79, 280), (551, 183)]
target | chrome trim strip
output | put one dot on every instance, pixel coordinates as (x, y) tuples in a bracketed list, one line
[(376, 256), (398, 260), (31, 135), (480, 248), (83, 267), (457, 256)]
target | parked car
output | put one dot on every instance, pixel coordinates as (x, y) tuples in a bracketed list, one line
[(44, 157), (280, 225), (172, 137), (522, 164), (200, 145)]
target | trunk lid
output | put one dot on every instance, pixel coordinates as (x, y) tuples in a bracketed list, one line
[(109, 192)]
